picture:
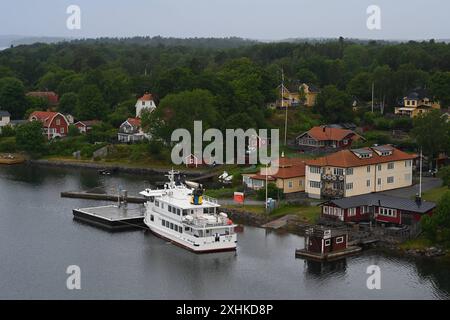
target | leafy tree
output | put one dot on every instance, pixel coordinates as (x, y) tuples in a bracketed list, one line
[(440, 87), (68, 103), (29, 137), (12, 97), (36, 103), (272, 192), (334, 105), (431, 132), (73, 131), (437, 227), (444, 174), (180, 110), (361, 86), (91, 104)]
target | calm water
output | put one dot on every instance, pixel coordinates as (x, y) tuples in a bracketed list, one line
[(39, 239)]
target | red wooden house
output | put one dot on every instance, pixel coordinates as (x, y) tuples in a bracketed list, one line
[(86, 126), (54, 124), (379, 208)]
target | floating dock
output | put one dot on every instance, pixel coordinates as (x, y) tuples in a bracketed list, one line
[(302, 253), (112, 216)]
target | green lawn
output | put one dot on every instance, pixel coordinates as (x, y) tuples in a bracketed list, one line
[(307, 214), (435, 194), (220, 193), (416, 244)]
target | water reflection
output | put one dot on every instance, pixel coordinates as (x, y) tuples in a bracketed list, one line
[(321, 269)]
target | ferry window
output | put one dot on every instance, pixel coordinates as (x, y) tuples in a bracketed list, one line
[(178, 211), (163, 222), (157, 203), (340, 240), (180, 230), (171, 225), (327, 242), (205, 210), (162, 205), (186, 228), (169, 208), (152, 218)]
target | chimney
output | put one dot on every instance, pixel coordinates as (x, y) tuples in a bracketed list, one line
[(418, 199)]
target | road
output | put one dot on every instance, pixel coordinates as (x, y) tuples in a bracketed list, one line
[(409, 192)]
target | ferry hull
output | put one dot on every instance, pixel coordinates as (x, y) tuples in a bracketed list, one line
[(177, 242)]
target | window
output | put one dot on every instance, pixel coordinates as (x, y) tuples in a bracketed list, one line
[(390, 165), (290, 185), (379, 167), (171, 225), (300, 183), (58, 122), (152, 218), (162, 205), (157, 203), (185, 212), (338, 171), (390, 180), (169, 208), (314, 169), (387, 212), (339, 240), (368, 168), (143, 103), (368, 183), (163, 222), (408, 177), (379, 181), (408, 163), (314, 184), (349, 186), (178, 212), (349, 171), (327, 242), (351, 212), (325, 209)]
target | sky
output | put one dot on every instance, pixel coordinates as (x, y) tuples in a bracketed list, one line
[(254, 19)]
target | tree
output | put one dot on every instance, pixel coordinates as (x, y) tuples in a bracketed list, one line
[(272, 192), (68, 103), (73, 131), (361, 86), (91, 104), (180, 110), (444, 174), (12, 97), (437, 227), (440, 87), (432, 133), (29, 138), (334, 105)]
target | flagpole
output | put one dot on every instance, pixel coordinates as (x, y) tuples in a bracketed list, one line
[(420, 174), (282, 103)]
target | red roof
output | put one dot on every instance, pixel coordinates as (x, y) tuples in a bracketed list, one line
[(323, 133), (51, 96), (146, 97), (44, 116), (348, 159), (135, 122), (288, 168)]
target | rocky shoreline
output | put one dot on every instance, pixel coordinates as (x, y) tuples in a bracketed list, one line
[(98, 166)]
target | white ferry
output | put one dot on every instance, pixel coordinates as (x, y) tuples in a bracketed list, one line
[(183, 215)]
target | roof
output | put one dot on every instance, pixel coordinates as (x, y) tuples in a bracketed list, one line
[(4, 113), (51, 96), (287, 168), (88, 123), (135, 122), (347, 158), (45, 116), (146, 97), (323, 133), (376, 199), (417, 94)]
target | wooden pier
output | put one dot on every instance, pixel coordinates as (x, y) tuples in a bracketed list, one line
[(101, 196)]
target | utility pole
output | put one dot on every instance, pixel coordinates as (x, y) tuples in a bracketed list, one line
[(420, 174), (373, 87), (267, 173), (282, 103)]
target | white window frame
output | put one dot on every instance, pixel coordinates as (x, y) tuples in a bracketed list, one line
[(339, 240)]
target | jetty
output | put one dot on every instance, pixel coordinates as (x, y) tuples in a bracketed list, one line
[(10, 158)]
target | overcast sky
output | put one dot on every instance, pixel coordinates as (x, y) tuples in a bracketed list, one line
[(256, 19)]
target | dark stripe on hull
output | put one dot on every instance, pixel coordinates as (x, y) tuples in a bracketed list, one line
[(188, 248)]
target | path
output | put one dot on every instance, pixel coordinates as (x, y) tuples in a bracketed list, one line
[(410, 192)]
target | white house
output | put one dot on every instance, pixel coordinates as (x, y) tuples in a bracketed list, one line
[(145, 102), (130, 131), (5, 119)]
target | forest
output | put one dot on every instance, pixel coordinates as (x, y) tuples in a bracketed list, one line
[(227, 83)]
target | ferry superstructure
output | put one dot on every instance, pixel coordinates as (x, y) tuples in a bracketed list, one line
[(183, 215)]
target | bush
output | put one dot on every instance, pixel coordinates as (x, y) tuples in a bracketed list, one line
[(8, 144), (444, 174), (272, 192), (7, 131)]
